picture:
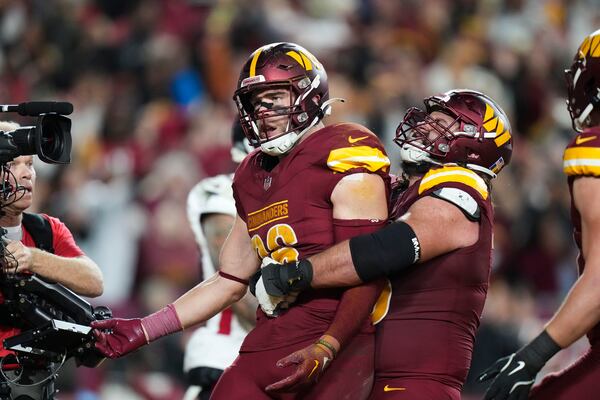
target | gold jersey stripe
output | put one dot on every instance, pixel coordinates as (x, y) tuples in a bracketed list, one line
[(454, 174), (573, 153), (347, 158), (382, 306), (582, 166), (254, 62)]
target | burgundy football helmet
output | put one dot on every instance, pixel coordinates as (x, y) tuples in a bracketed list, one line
[(289, 66), (475, 134), (583, 84)]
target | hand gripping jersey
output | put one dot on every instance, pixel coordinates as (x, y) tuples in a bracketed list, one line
[(216, 344), (582, 158), (435, 307), (289, 215)]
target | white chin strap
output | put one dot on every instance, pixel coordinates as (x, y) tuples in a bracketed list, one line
[(284, 143), (580, 121), (413, 155), (281, 145)]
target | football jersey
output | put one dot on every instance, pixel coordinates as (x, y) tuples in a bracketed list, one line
[(435, 307), (289, 215), (582, 158)]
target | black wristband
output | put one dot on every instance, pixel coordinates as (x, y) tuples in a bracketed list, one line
[(281, 279), (539, 350), (385, 252)]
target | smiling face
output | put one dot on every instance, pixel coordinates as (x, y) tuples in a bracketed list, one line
[(23, 172), (271, 108)]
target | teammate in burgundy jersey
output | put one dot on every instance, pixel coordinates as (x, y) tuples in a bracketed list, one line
[(306, 188), (443, 223), (579, 314)]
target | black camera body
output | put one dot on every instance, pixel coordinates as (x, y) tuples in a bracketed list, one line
[(54, 321)]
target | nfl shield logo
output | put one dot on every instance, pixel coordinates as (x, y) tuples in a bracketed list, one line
[(267, 182)]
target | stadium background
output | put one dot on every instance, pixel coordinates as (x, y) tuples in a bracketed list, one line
[(151, 82)]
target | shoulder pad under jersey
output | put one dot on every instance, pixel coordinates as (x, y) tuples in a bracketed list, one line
[(582, 155), (454, 176), (463, 200)]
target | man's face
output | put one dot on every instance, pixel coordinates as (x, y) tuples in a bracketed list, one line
[(272, 104), (23, 172), (429, 131)]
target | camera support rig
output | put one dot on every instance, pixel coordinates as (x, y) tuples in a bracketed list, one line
[(54, 321)]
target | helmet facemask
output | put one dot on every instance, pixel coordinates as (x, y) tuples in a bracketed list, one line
[(453, 132), (277, 128), (582, 110)]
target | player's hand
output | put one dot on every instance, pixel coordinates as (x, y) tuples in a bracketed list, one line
[(310, 364), (117, 337), (515, 374), (271, 305), (513, 377), (19, 257), (282, 279)]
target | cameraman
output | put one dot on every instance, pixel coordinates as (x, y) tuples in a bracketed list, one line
[(38, 243)]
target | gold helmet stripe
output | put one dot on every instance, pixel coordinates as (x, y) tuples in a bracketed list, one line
[(254, 62)]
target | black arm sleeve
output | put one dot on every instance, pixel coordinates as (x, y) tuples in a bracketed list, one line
[(385, 252)]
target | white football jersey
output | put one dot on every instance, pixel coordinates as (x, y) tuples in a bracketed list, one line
[(215, 345)]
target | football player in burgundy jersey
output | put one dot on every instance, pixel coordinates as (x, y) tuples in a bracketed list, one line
[(579, 314), (306, 187), (437, 252)]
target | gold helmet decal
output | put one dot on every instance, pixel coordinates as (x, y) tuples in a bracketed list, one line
[(493, 124), (306, 60), (590, 46)]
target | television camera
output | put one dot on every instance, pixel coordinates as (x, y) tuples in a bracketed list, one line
[(53, 321)]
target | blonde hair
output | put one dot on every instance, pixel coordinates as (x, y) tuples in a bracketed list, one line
[(7, 126)]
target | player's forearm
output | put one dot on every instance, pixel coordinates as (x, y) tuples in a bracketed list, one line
[(579, 312), (207, 299), (334, 267), (353, 310), (80, 274)]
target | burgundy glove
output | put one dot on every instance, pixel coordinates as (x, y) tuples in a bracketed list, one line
[(310, 362), (126, 335), (123, 336)]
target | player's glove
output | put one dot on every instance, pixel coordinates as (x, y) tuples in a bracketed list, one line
[(271, 305), (117, 337), (311, 362), (281, 279), (515, 374)]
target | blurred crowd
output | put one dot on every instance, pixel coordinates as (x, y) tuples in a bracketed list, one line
[(152, 80)]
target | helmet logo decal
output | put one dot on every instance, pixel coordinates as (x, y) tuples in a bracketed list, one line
[(591, 44), (493, 124), (300, 59)]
